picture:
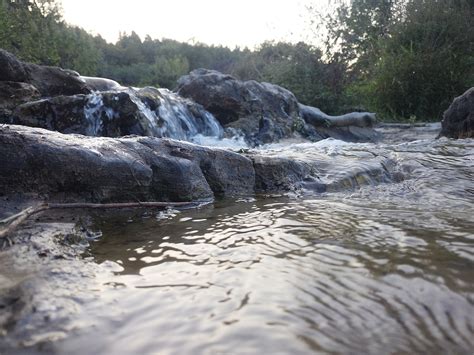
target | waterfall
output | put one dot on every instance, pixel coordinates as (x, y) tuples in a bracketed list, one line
[(158, 112)]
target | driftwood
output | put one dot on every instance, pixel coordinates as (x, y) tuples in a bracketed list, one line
[(14, 221), (317, 118)]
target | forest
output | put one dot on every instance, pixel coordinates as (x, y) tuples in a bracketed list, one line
[(404, 59)]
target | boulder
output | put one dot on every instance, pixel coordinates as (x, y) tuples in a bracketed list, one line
[(458, 119), (144, 112), (50, 81), (65, 167), (266, 113), (263, 112)]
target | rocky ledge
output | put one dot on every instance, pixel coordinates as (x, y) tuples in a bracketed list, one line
[(206, 103), (265, 113), (68, 167), (458, 120)]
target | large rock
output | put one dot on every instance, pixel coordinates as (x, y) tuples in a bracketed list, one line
[(50, 81), (263, 112), (458, 119), (304, 167), (60, 166), (144, 112), (112, 114), (266, 113)]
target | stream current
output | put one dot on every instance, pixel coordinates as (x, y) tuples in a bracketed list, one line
[(377, 268)]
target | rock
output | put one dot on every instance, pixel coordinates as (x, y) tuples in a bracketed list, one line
[(263, 112), (100, 84), (266, 113), (50, 81), (144, 112), (305, 167), (351, 127), (458, 119), (65, 167)]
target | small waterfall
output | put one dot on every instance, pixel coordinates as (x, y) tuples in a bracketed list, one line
[(95, 112), (158, 112), (180, 118)]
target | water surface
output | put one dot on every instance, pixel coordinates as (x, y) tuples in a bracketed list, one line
[(384, 268)]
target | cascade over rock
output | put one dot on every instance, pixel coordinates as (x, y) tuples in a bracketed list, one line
[(458, 119), (205, 102), (263, 112), (73, 167), (266, 113), (145, 112)]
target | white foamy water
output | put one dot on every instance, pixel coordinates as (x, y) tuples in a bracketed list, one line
[(171, 117)]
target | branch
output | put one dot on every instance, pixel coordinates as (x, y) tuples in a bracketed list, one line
[(14, 221)]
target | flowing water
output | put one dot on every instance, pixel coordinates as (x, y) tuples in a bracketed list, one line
[(384, 267), (161, 112)]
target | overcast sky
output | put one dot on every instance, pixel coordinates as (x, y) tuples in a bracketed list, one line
[(231, 23)]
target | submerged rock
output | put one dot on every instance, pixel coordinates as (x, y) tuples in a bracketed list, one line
[(60, 166), (458, 119)]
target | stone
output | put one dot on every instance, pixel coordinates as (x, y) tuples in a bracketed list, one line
[(263, 112), (75, 167), (458, 119), (50, 81)]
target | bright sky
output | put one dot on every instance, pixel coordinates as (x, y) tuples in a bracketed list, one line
[(227, 22)]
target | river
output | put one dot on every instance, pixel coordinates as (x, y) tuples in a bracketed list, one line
[(384, 267)]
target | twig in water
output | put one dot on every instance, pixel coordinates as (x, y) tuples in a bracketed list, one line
[(14, 221)]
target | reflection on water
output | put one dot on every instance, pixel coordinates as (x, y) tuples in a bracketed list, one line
[(381, 269)]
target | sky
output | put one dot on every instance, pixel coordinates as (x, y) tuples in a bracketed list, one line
[(243, 23)]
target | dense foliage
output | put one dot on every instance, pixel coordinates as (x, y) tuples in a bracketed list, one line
[(401, 58), (405, 58)]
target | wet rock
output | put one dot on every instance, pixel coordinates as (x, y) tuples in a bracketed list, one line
[(110, 114), (144, 112), (50, 81), (458, 119), (34, 160), (280, 174), (305, 167), (266, 113), (263, 112), (100, 84)]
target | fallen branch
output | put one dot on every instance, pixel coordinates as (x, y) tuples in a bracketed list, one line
[(14, 221)]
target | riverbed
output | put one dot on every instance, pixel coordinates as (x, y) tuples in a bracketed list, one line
[(376, 267)]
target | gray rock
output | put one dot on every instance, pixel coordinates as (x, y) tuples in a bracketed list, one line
[(458, 119), (100, 84), (50, 81), (267, 113), (59, 166), (263, 112)]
